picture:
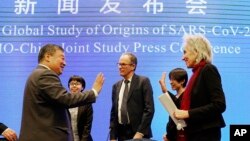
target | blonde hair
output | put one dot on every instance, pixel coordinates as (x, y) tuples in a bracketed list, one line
[(201, 45)]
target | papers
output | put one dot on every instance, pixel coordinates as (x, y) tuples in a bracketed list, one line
[(169, 105)]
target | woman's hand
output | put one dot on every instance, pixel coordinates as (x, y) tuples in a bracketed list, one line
[(163, 83), (181, 114)]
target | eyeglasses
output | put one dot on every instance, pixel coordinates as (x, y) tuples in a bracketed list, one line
[(123, 64), (75, 84)]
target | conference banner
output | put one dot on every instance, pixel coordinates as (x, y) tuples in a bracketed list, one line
[(94, 33)]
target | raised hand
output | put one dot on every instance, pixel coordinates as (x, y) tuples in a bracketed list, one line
[(98, 82), (163, 83)]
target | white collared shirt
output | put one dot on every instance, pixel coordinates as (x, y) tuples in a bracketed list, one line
[(121, 97), (73, 114)]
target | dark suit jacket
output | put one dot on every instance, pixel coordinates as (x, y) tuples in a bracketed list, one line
[(140, 106), (84, 122), (2, 128), (207, 101), (45, 115)]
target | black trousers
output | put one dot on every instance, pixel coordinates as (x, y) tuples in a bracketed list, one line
[(125, 132), (212, 134)]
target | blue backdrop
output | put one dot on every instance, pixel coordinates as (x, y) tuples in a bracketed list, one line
[(95, 33)]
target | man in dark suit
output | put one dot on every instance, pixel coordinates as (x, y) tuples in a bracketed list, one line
[(8, 133), (132, 107), (45, 115)]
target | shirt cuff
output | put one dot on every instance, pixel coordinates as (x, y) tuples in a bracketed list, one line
[(95, 92), (5, 131)]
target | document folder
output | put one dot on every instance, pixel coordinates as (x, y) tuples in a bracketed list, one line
[(169, 105)]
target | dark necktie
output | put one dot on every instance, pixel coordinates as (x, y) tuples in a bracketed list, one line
[(124, 117)]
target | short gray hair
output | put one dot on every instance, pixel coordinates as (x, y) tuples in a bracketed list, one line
[(132, 57), (50, 49), (201, 45)]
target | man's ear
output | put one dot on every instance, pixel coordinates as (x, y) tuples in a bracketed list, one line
[(47, 57), (133, 65)]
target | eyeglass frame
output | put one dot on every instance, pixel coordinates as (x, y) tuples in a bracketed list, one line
[(75, 83), (123, 64)]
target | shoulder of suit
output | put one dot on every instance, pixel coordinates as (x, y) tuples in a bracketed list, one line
[(118, 82), (209, 66), (141, 77), (45, 70)]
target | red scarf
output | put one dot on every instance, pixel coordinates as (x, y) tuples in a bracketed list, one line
[(186, 98), (185, 102)]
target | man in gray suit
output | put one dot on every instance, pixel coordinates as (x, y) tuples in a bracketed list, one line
[(132, 103), (45, 115)]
